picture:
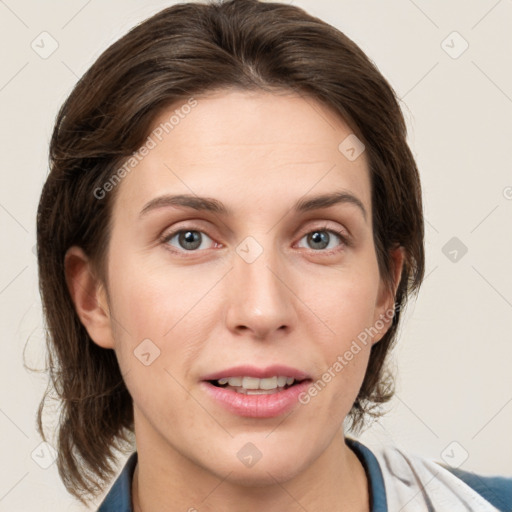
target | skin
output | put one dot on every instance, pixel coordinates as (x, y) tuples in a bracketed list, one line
[(209, 309)]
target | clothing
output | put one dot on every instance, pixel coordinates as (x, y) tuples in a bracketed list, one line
[(397, 482)]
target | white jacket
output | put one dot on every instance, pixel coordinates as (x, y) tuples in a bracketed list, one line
[(415, 484)]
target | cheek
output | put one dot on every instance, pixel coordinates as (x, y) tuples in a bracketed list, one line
[(155, 325), (151, 298), (347, 308), (160, 310), (347, 303)]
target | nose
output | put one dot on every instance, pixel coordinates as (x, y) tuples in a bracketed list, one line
[(260, 302)]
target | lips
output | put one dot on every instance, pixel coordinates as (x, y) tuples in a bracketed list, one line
[(253, 398), (260, 373)]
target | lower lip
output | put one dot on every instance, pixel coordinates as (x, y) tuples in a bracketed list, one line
[(257, 406)]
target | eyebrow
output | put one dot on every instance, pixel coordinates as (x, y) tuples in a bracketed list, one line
[(213, 205)]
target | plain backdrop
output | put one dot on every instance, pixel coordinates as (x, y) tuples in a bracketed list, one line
[(451, 65)]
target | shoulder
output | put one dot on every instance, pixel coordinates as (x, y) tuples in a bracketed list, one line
[(495, 489), (415, 480)]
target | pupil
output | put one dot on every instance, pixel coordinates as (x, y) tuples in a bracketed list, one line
[(320, 237), (190, 239)]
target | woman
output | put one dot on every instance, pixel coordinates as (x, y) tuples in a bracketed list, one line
[(230, 229)]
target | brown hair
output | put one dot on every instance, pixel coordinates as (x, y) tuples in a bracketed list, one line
[(190, 49)]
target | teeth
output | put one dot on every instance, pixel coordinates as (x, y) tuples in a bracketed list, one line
[(250, 382), (268, 383), (235, 381), (258, 391), (253, 383)]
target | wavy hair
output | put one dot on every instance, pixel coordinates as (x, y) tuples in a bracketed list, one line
[(183, 51)]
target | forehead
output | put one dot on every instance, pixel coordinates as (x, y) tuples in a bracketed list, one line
[(246, 145)]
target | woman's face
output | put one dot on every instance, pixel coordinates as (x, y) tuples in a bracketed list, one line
[(255, 276)]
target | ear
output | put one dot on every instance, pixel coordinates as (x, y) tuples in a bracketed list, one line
[(386, 298), (89, 297)]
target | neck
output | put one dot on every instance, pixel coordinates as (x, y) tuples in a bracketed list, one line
[(336, 480)]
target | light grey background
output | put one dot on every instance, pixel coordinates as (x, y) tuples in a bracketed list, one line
[(454, 353)]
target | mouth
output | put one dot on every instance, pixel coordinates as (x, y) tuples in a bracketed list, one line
[(256, 386), (256, 392)]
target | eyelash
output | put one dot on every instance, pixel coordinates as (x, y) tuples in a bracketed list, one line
[(345, 241)]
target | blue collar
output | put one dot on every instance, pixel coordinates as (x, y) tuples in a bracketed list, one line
[(118, 498), (371, 466)]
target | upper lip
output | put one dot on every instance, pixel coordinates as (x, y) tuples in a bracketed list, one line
[(261, 373)]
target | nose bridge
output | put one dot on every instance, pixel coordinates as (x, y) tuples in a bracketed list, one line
[(259, 299)]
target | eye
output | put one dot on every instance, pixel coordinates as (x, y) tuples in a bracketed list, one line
[(322, 239), (187, 239), (192, 240)]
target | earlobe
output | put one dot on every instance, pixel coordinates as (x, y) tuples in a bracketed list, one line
[(398, 256), (386, 302), (88, 296)]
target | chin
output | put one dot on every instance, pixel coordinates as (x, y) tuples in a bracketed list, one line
[(264, 474), (258, 468)]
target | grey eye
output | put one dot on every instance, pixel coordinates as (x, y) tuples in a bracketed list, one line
[(188, 239), (320, 239)]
